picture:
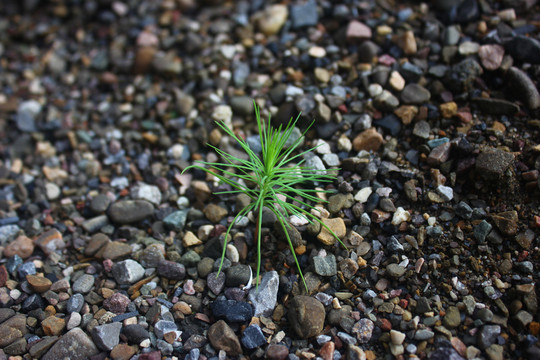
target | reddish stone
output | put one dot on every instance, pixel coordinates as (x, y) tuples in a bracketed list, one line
[(277, 352), (327, 351), (154, 355), (385, 324), (3, 275), (117, 303)]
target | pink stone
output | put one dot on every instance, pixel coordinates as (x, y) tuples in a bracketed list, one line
[(116, 303), (358, 30), (491, 56)]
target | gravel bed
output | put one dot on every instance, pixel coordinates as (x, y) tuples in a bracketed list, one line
[(426, 112)]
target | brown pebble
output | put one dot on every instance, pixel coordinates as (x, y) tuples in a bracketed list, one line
[(327, 351), (3, 275), (51, 241), (368, 140), (277, 352), (123, 352), (22, 246), (53, 326), (39, 284)]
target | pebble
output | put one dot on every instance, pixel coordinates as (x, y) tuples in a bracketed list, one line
[(130, 211), (127, 271), (75, 344), (264, 297), (253, 337), (522, 85), (106, 336), (83, 284), (306, 316), (272, 19), (222, 337)]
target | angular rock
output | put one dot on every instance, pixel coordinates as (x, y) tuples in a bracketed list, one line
[(222, 337), (74, 345)]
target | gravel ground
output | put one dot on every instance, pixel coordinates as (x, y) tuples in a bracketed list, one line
[(428, 112)]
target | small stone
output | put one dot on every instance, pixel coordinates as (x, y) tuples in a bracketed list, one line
[(51, 241), (100, 203), (397, 337), (491, 56), (369, 140), (495, 352), (439, 155), (422, 129), (272, 19), (492, 163), (150, 193), (190, 239), (214, 213), (253, 337), (114, 250), (222, 337), (39, 284), (449, 109), (130, 211), (75, 303), (74, 320), (400, 215), (358, 31), (127, 272), (507, 222), (396, 81), (277, 352), (306, 316), (363, 330), (415, 94), (22, 246), (264, 297), (522, 85), (325, 266), (53, 326), (407, 42), (452, 319), (73, 345), (116, 303), (395, 270), (163, 327), (135, 333), (488, 335), (176, 220), (406, 113), (12, 329), (83, 284), (337, 225), (123, 352), (107, 336), (304, 14), (171, 270)]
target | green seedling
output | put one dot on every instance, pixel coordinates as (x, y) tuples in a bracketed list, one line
[(277, 174)]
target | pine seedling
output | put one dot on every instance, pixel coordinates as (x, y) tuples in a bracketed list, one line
[(279, 176)]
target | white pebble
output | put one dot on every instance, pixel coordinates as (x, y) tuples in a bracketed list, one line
[(232, 253), (363, 194), (401, 215), (446, 192)]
